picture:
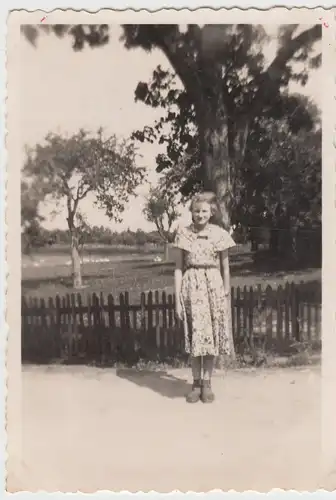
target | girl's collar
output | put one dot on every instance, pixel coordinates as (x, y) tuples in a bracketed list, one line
[(199, 231)]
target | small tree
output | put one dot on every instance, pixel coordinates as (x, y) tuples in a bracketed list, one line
[(32, 234), (141, 238), (69, 168), (161, 210)]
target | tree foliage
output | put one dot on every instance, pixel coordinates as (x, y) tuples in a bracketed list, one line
[(287, 126), (32, 234), (69, 168), (30, 200), (280, 179), (72, 167), (161, 210), (226, 79), (227, 86)]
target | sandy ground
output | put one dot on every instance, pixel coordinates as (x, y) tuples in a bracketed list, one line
[(91, 429)]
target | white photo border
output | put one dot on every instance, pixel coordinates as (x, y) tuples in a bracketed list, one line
[(9, 357)]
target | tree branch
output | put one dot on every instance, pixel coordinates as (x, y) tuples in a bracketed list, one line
[(81, 195), (72, 211), (185, 67), (273, 74), (286, 53)]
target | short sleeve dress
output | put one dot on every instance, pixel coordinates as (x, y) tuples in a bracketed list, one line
[(205, 311)]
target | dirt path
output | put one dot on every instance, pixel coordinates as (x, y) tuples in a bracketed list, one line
[(88, 429)]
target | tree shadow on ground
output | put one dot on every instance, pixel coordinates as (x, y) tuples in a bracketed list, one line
[(160, 382)]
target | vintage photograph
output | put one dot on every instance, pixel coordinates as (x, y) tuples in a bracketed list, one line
[(171, 254)]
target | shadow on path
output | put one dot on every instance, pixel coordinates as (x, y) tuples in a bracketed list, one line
[(160, 382)]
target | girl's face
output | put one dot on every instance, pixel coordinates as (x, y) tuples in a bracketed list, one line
[(201, 213)]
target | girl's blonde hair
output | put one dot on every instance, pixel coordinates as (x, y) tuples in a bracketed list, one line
[(211, 199)]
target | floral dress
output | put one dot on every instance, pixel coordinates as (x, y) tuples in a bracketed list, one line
[(205, 308)]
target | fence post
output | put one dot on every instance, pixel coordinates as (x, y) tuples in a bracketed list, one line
[(233, 315), (127, 312), (111, 323), (287, 314), (269, 314), (58, 327), (102, 336), (245, 310), (74, 329), (238, 307), (82, 328), (309, 317), (130, 336), (157, 321), (251, 310), (143, 330), (296, 313), (44, 340), (90, 337)]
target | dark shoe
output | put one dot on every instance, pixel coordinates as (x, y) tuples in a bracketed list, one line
[(195, 393), (207, 396)]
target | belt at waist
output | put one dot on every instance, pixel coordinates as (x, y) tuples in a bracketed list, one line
[(201, 266)]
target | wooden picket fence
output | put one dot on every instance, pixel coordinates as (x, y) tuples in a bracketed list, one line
[(104, 330)]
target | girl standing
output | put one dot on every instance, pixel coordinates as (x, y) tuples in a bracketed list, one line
[(202, 289)]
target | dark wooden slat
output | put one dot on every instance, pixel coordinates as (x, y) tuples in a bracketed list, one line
[(111, 311), (309, 321), (157, 321), (233, 312), (238, 312), (287, 311), (279, 301), (269, 313), (245, 310)]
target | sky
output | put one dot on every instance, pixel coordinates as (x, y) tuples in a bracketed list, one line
[(62, 91)]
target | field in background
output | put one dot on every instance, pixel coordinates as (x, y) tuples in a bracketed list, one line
[(118, 269)]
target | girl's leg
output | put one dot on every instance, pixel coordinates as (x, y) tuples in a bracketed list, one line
[(208, 366), (196, 370)]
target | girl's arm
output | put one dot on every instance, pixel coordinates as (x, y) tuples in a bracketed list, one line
[(178, 279), (225, 270), (178, 271)]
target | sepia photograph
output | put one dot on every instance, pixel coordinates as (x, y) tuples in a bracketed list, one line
[(171, 252)]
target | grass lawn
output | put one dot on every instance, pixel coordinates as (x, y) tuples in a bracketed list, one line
[(135, 271)]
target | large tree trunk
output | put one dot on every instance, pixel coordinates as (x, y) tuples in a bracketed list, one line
[(223, 143), (217, 166), (75, 261)]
